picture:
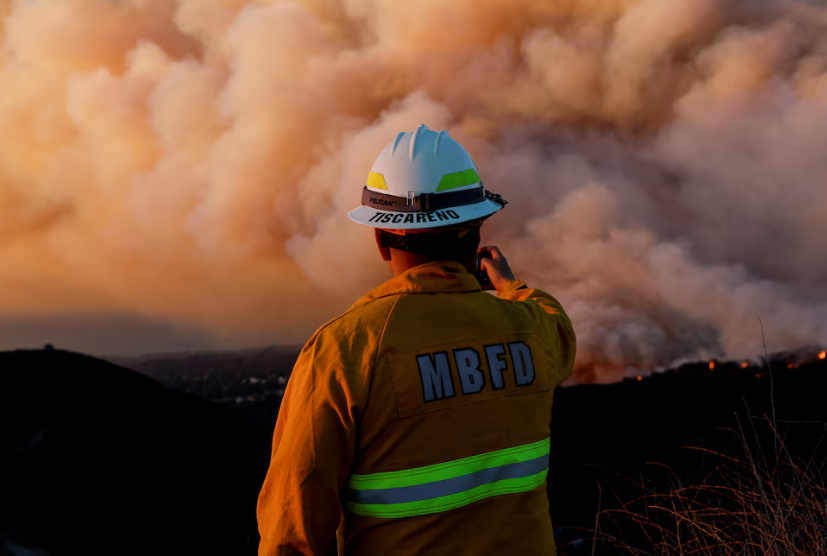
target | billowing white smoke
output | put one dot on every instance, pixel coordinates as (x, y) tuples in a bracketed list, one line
[(192, 161)]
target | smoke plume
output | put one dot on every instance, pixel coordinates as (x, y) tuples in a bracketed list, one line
[(191, 162)]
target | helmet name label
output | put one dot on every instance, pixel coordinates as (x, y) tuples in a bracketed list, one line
[(414, 217)]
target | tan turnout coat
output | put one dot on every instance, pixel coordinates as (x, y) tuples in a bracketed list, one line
[(417, 423)]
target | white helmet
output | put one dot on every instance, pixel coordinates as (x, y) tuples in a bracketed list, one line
[(424, 179)]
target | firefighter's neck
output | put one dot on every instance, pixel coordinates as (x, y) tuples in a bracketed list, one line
[(402, 261)]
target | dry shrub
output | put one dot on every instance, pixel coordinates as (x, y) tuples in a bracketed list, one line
[(767, 502)]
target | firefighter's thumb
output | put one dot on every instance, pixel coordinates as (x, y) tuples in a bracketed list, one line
[(497, 269)]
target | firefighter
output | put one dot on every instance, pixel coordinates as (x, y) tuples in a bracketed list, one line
[(417, 422)]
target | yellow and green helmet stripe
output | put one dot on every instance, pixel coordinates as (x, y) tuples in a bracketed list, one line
[(448, 181)]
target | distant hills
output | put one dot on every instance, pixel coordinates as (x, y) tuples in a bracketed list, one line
[(252, 380), (99, 459)]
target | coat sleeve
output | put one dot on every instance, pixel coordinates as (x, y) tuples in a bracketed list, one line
[(555, 324), (299, 507)]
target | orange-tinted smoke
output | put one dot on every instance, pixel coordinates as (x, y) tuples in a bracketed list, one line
[(192, 161)]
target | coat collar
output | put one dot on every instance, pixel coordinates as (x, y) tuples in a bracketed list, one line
[(435, 277)]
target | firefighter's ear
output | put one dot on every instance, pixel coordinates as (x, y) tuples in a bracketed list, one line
[(384, 251)]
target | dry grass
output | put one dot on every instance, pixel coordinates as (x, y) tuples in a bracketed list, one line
[(754, 505), (758, 504)]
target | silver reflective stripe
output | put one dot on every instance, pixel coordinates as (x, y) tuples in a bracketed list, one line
[(449, 486)]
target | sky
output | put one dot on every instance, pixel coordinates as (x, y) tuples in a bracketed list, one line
[(176, 174)]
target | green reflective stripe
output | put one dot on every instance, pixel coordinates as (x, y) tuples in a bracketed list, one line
[(458, 179), (451, 469), (450, 502)]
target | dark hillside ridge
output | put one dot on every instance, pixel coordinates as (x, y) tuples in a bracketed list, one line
[(98, 459)]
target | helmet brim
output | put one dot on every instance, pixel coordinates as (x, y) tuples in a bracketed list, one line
[(392, 220)]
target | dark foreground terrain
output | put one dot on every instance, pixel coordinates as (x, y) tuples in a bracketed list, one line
[(96, 459)]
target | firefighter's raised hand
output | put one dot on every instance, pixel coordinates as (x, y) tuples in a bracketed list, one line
[(496, 265)]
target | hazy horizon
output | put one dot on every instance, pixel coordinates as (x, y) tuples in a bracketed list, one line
[(103, 336)]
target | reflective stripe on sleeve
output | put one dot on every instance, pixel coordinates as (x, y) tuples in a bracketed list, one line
[(445, 486)]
